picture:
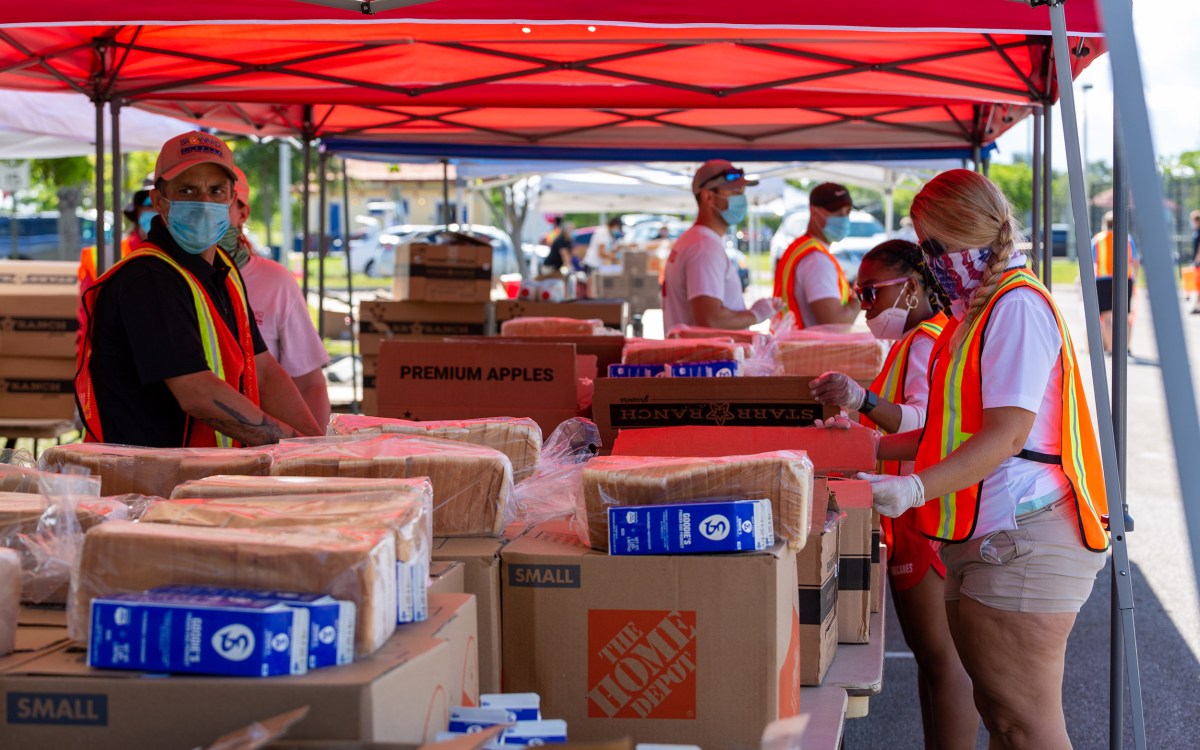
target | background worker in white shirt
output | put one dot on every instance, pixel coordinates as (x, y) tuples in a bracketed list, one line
[(701, 285)]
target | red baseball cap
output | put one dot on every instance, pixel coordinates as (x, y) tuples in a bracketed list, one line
[(185, 151), (241, 186)]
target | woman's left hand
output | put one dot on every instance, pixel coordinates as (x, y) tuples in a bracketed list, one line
[(892, 496), (838, 389)]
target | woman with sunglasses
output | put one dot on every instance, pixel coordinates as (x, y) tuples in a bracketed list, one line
[(904, 303), (1008, 470)]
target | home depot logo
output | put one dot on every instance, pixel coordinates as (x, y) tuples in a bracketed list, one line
[(641, 664)]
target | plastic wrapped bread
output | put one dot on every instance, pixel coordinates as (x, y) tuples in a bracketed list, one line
[(222, 486), (859, 355), (153, 471), (665, 352), (358, 565), (532, 326), (47, 532), (10, 599), (472, 485), (519, 438), (783, 477), (745, 336)]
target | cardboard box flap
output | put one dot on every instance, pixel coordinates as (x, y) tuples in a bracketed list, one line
[(260, 733), (830, 450)]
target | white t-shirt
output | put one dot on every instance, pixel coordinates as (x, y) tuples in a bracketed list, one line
[(816, 278), (282, 316), (1021, 367), (698, 267), (601, 239)]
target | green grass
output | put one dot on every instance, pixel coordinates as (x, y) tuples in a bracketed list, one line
[(335, 276)]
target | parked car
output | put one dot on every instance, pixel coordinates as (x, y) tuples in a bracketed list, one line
[(378, 257), (865, 233), (648, 235)]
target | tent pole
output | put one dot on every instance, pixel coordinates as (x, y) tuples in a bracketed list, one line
[(446, 218), (306, 201), (976, 159), (286, 241), (354, 368), (323, 233), (114, 107), (889, 203), (1035, 232), (1048, 197), (103, 260), (1108, 447)]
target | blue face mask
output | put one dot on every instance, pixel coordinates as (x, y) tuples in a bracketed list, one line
[(836, 228), (144, 219), (197, 225), (736, 211)]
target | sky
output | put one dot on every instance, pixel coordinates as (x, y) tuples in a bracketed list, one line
[(1166, 33)]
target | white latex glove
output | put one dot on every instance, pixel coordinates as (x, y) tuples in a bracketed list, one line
[(840, 422), (838, 389), (766, 307), (894, 495)]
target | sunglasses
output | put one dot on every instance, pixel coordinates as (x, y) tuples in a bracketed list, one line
[(868, 293), (932, 248), (731, 175)]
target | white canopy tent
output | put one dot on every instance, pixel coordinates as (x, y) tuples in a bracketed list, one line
[(37, 125)]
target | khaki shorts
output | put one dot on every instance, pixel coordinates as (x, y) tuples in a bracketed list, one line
[(1039, 567)]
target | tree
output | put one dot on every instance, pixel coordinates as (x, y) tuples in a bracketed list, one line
[(70, 177), (510, 207)]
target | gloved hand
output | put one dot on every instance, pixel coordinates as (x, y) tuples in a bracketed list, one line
[(838, 389), (839, 422), (894, 495), (766, 307)]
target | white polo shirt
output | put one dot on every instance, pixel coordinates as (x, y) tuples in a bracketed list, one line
[(698, 267)]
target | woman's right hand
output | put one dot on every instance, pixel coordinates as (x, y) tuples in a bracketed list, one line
[(838, 389)]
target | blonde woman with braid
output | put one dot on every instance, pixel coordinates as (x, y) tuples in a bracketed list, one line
[(905, 304), (1008, 471)]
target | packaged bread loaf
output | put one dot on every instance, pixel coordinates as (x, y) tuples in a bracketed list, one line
[(783, 477), (518, 438), (472, 485), (656, 352), (858, 355), (532, 326), (744, 336), (357, 565), (222, 486), (26, 479), (153, 471), (47, 532), (10, 599)]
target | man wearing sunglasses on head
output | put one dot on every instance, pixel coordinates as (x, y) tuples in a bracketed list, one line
[(808, 278), (700, 284)]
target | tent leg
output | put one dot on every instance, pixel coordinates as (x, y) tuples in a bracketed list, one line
[(305, 220), (446, 217), (354, 369), (104, 261), (118, 230), (1120, 379), (1035, 233), (323, 232), (1048, 198), (286, 239), (889, 204), (1108, 447)]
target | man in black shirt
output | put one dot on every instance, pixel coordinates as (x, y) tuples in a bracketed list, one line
[(149, 371)]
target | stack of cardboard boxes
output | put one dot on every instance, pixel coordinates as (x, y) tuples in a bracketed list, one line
[(39, 320), (635, 283)]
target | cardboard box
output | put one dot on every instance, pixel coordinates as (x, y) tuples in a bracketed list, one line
[(452, 617), (456, 270), (635, 403), (878, 561), (699, 649), (854, 560), (817, 572), (41, 273), (38, 322), (370, 402), (381, 319), (399, 694), (447, 577), (465, 380), (606, 349), (37, 388), (612, 312), (480, 558)]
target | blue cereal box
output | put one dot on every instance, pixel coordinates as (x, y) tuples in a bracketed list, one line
[(330, 621), (637, 371), (536, 733), (469, 720), (520, 706), (412, 591), (725, 368), (198, 635), (683, 528)]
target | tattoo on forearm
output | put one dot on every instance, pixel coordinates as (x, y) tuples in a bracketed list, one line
[(266, 430)]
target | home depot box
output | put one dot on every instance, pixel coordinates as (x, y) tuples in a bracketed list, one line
[(465, 380), (382, 318), (452, 618), (853, 497), (52, 273), (37, 388), (699, 649), (634, 403), (447, 577), (456, 268), (817, 575), (399, 694), (480, 558), (611, 311), (37, 321)]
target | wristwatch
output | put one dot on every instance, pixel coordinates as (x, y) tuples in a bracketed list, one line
[(870, 401)]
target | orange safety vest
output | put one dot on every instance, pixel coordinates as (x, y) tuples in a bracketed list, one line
[(956, 413), (785, 273), (87, 259), (230, 357), (1102, 249)]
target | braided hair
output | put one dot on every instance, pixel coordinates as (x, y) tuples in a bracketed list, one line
[(906, 257)]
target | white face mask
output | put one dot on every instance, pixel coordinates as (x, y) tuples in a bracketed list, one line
[(892, 322)]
